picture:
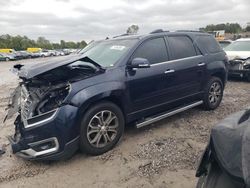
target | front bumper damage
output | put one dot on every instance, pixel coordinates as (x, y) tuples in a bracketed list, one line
[(51, 137), (47, 126), (237, 68)]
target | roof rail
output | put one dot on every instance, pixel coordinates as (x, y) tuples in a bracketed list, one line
[(195, 31), (122, 35), (158, 31)]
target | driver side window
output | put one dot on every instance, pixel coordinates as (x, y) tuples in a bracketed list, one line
[(154, 50)]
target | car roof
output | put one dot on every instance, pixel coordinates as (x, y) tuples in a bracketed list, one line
[(160, 33)]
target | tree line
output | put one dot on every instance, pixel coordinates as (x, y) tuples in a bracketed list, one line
[(23, 42), (228, 27)]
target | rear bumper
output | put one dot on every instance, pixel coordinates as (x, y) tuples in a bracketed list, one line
[(47, 139)]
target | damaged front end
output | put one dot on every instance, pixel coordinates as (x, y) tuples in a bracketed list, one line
[(37, 105), (40, 101), (43, 127), (239, 68)]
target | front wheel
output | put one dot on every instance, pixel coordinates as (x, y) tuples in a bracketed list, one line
[(213, 93), (101, 128)]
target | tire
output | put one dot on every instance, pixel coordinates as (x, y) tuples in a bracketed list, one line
[(97, 134), (216, 178), (213, 93), (7, 59)]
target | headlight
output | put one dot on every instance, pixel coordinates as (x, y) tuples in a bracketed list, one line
[(247, 64), (53, 99)]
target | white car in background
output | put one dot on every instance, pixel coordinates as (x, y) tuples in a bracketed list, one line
[(239, 58), (45, 53)]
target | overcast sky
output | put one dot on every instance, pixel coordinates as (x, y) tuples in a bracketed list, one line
[(96, 19)]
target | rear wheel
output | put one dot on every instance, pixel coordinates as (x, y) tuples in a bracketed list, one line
[(101, 128), (7, 59), (213, 93)]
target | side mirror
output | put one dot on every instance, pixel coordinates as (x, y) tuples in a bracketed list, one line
[(139, 63)]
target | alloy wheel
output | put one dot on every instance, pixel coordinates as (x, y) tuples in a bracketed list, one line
[(215, 93), (102, 128)]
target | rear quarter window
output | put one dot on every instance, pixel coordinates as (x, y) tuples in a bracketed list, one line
[(209, 43)]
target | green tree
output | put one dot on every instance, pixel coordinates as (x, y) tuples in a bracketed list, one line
[(133, 29), (42, 42), (23, 42), (228, 27)]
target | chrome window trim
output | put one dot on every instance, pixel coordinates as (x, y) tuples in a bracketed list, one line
[(172, 61)]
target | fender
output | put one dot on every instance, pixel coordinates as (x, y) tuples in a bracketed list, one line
[(94, 93), (219, 69)]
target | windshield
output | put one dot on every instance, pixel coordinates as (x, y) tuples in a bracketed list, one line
[(238, 46), (107, 53)]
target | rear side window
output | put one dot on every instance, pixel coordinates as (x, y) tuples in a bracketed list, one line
[(153, 50), (181, 47), (209, 43)]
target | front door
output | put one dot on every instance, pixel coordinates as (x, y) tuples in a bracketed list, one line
[(146, 85)]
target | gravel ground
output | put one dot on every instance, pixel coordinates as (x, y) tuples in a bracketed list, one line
[(162, 155)]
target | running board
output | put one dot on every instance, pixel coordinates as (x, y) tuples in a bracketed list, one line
[(163, 116)]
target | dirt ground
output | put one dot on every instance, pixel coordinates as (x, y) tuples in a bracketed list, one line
[(163, 155)]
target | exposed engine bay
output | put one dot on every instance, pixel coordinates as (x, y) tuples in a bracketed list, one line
[(47, 91), (38, 100)]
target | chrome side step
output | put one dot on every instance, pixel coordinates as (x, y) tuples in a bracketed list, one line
[(162, 116)]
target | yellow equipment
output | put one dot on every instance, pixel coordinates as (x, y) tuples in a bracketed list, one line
[(7, 50), (33, 50)]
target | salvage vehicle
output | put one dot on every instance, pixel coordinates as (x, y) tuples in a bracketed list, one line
[(8, 56), (225, 161), (24, 54), (85, 100), (45, 53), (2, 57), (239, 58)]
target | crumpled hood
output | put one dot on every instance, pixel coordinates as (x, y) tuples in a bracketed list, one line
[(238, 54), (231, 141), (31, 70)]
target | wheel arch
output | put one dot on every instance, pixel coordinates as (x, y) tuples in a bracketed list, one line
[(221, 75), (111, 92), (218, 69)]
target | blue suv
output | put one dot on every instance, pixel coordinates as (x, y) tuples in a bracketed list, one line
[(84, 101)]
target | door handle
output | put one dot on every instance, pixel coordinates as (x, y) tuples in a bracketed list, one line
[(201, 64), (169, 71)]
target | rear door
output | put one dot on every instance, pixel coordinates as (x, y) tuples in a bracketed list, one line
[(188, 66)]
